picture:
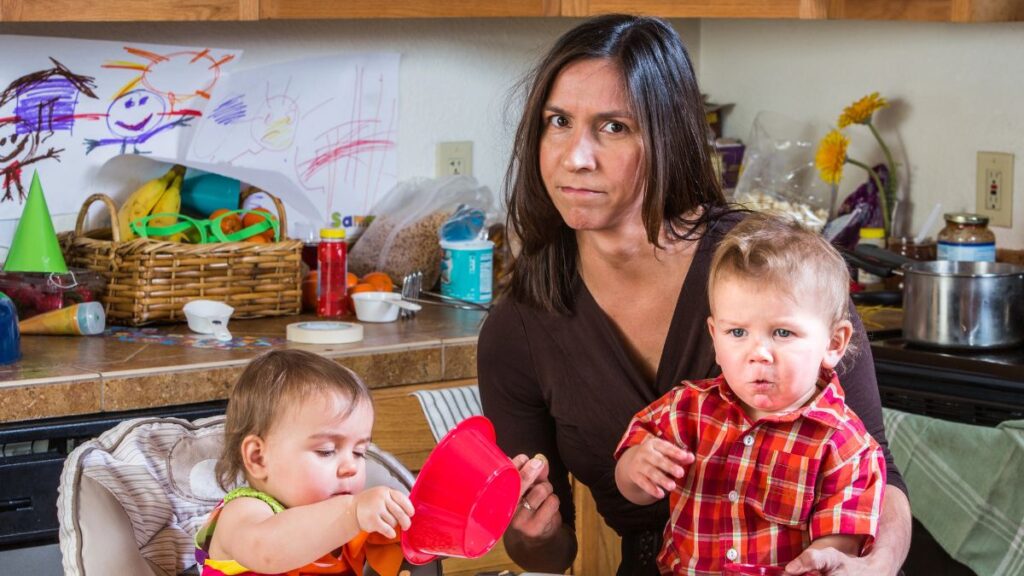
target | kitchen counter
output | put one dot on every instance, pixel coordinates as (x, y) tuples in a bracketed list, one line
[(167, 365)]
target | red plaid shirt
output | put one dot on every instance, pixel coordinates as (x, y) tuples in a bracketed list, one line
[(760, 492)]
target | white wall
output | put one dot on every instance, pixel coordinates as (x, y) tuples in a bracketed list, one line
[(457, 76), (955, 88)]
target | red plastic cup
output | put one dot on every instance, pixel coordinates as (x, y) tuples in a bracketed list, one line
[(753, 570), (465, 496)]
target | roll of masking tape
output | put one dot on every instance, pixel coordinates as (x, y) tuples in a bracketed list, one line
[(324, 332)]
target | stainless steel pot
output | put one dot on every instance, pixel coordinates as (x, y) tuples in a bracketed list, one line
[(954, 304), (963, 304)]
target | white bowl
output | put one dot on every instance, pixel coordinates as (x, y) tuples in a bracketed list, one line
[(380, 306)]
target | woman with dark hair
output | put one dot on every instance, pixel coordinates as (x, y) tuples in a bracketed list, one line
[(612, 194)]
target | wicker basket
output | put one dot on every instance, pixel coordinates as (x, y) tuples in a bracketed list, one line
[(150, 280)]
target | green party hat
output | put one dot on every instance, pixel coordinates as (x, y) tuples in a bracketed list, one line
[(35, 247)]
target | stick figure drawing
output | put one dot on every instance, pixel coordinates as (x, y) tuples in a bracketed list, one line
[(135, 117), (44, 104)]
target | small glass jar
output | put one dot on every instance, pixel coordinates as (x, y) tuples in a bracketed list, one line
[(909, 247), (873, 237), (966, 237)]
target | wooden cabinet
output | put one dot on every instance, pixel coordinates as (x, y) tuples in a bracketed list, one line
[(927, 10), (919, 10), (342, 9), (171, 10), (126, 10), (600, 548), (697, 8)]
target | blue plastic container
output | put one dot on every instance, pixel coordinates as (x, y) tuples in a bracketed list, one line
[(10, 337), (467, 269), (203, 193)]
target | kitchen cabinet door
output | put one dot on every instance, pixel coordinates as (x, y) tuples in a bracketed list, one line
[(600, 548), (700, 8), (126, 10), (928, 10), (920, 10), (340, 9)]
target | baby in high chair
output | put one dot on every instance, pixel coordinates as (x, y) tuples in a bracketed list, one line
[(298, 427)]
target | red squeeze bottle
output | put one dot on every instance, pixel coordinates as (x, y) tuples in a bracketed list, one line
[(332, 301)]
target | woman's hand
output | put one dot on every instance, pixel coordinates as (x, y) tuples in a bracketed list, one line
[(380, 509), (648, 471), (537, 518), (829, 562), (886, 555)]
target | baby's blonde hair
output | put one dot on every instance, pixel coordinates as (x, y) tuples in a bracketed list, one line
[(778, 251), (271, 383)]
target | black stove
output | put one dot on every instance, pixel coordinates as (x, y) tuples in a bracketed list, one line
[(971, 386)]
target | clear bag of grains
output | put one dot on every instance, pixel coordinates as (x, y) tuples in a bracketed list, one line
[(402, 238)]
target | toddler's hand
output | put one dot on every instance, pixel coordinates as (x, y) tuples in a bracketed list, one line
[(656, 465), (380, 508)]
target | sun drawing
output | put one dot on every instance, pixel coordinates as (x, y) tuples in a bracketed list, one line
[(178, 76)]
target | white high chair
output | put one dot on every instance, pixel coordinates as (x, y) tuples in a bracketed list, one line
[(132, 500)]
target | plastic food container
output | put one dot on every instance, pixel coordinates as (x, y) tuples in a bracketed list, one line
[(467, 270), (37, 292)]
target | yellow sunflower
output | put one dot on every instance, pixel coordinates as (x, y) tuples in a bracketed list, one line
[(831, 156), (860, 111)]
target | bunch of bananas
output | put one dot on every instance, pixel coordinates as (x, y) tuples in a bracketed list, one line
[(158, 196)]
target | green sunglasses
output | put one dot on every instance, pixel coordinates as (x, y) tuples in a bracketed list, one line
[(206, 231)]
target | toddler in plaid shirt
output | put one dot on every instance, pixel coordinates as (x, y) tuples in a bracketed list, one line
[(766, 459)]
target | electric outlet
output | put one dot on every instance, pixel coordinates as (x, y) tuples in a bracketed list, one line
[(995, 188), (454, 158)]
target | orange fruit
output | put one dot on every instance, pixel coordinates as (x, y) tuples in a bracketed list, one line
[(380, 280), (230, 223), (362, 288), (257, 216), (258, 239), (351, 280)]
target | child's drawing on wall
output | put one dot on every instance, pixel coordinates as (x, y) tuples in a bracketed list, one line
[(156, 101), (134, 118), (45, 103)]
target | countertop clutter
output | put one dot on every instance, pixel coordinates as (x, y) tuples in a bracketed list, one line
[(166, 365)]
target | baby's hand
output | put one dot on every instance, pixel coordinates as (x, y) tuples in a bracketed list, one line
[(656, 465), (379, 509)]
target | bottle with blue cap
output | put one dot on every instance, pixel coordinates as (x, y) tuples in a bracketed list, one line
[(82, 319)]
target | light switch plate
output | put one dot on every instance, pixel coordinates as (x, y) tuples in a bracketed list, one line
[(995, 188)]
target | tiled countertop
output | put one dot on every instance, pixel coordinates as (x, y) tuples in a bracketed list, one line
[(69, 375)]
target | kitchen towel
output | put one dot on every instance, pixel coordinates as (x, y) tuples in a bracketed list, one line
[(964, 484), (446, 407)]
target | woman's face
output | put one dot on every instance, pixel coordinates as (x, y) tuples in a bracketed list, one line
[(591, 149)]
